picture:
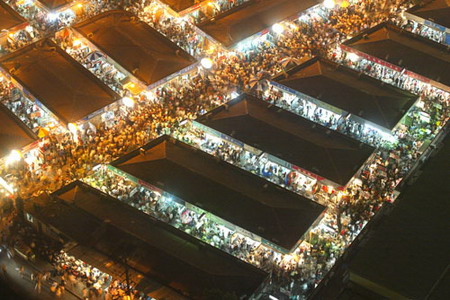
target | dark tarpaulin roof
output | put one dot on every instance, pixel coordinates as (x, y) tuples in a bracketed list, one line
[(346, 89), (8, 17), (290, 137), (243, 22), (135, 45), (54, 4), (14, 135), (83, 231), (64, 86), (415, 53), (180, 5), (235, 195), (437, 11), (153, 248), (409, 252)]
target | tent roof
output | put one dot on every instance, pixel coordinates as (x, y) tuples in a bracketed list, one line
[(54, 4), (409, 252), (224, 190), (8, 17), (153, 248), (437, 11), (415, 53), (180, 5), (246, 20), (290, 137), (14, 135), (346, 89), (64, 86), (136, 46)]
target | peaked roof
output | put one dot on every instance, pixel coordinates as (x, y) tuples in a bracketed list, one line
[(290, 137), (237, 196), (153, 248), (402, 254), (136, 46), (437, 11), (349, 90), (14, 135), (55, 4), (8, 17), (180, 5), (64, 86), (244, 21), (413, 52)]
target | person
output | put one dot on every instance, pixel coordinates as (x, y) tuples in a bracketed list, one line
[(37, 286), (22, 272)]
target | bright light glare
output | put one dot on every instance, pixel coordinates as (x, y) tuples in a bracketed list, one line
[(128, 102), (76, 43), (353, 57), (277, 28), (329, 4), (72, 127), (52, 16), (13, 157), (206, 63)]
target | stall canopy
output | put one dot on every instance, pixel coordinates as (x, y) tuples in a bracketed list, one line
[(54, 4), (349, 90), (150, 247), (412, 239), (59, 82), (290, 137), (136, 46), (14, 135), (8, 17), (437, 11), (180, 5), (239, 197), (415, 53), (242, 22)]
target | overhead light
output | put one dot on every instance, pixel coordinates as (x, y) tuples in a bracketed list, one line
[(128, 102), (329, 4), (13, 157), (52, 16), (207, 63), (277, 28), (353, 57), (72, 127)]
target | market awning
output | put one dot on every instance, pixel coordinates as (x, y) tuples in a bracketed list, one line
[(237, 196), (437, 11), (8, 17), (290, 137), (152, 248), (14, 134), (413, 52), (243, 22), (60, 83), (349, 90), (136, 46)]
